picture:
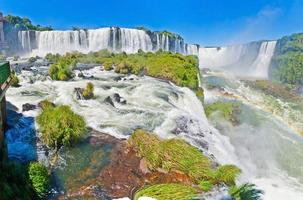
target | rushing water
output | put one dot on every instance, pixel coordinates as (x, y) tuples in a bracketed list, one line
[(249, 60), (151, 104), (269, 150), (265, 145)]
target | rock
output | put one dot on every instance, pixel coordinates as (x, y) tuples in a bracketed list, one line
[(299, 90), (81, 75), (119, 99), (143, 166), (79, 93), (106, 87), (28, 107), (83, 66), (118, 78), (109, 101), (42, 104)]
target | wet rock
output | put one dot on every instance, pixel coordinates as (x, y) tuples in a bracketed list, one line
[(118, 78), (299, 90), (81, 75), (119, 99), (182, 125), (79, 93), (143, 166), (203, 144), (28, 107), (126, 172), (83, 66), (109, 101), (42, 104), (106, 87)]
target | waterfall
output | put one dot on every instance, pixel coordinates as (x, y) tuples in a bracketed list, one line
[(261, 64), (25, 42), (114, 39), (252, 59)]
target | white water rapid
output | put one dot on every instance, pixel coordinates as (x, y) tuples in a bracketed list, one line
[(269, 149)]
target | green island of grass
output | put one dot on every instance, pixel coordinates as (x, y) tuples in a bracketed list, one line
[(181, 70), (225, 108), (176, 154)]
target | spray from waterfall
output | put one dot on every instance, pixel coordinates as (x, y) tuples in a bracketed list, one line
[(247, 60)]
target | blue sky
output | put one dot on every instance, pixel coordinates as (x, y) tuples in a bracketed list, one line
[(207, 22)]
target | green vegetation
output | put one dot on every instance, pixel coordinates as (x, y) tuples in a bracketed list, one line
[(181, 70), (167, 192), (14, 182), (61, 71), (176, 154), (287, 64), (88, 92), (15, 80), (60, 126), (225, 108), (39, 177), (33, 59), (200, 94), (226, 174), (246, 192), (46, 104), (206, 185), (2, 57), (24, 23)]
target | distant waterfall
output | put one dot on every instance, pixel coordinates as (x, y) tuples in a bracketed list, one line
[(252, 59), (261, 64), (114, 39)]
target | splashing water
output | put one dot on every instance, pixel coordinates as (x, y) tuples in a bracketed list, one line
[(247, 60), (269, 150)]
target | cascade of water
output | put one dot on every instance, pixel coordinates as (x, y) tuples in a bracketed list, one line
[(261, 64), (114, 39), (270, 152), (252, 59), (25, 43), (99, 39)]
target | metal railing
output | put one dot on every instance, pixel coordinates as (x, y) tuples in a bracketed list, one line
[(5, 72)]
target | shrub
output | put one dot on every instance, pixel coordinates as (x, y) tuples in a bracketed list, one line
[(60, 126), (225, 108), (167, 191), (88, 92), (200, 94), (206, 185), (60, 72), (2, 57), (14, 182), (227, 174), (39, 178), (179, 69), (246, 192), (46, 104), (32, 59), (176, 154), (15, 80)]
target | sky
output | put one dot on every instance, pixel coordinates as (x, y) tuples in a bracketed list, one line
[(205, 22)]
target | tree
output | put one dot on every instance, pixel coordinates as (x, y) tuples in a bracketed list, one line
[(61, 126)]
